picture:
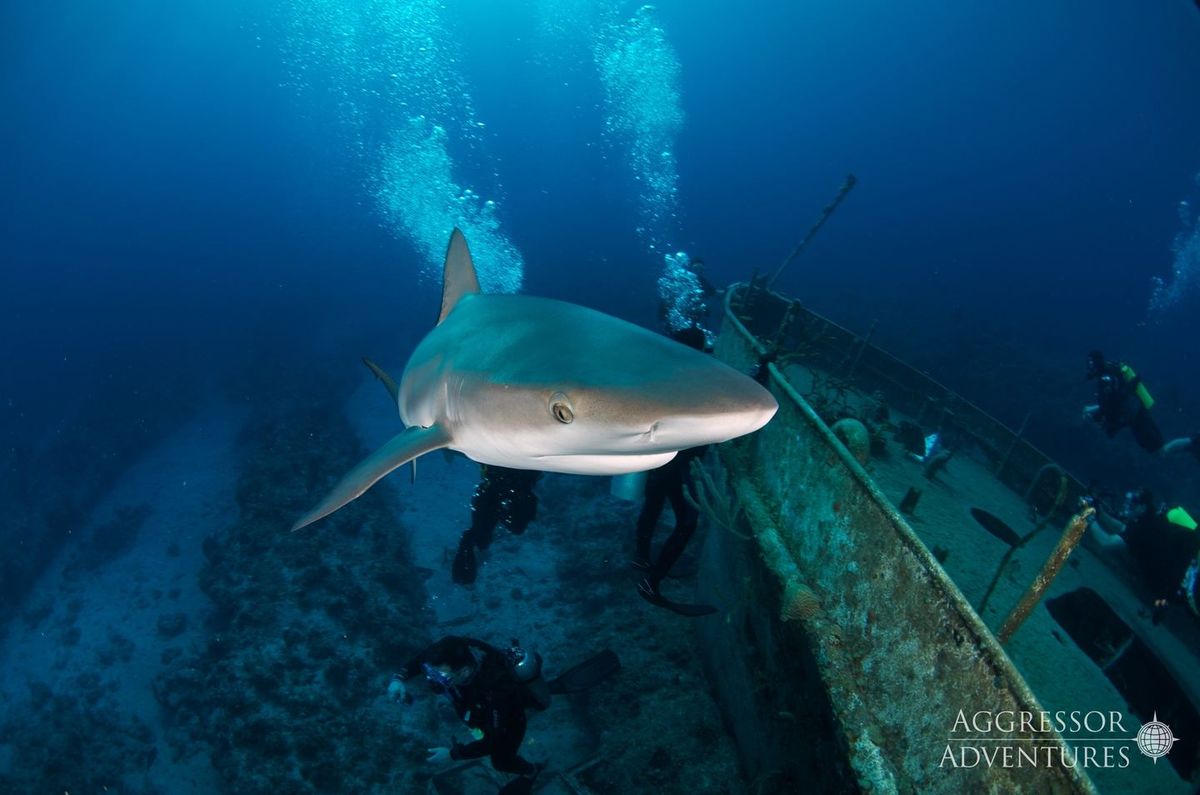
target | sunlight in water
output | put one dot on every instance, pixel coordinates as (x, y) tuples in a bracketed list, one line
[(389, 72), (416, 192), (1185, 268), (640, 74), (638, 71)]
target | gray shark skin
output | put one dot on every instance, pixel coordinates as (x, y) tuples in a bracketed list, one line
[(534, 383)]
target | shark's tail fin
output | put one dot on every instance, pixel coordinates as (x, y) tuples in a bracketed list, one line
[(403, 448)]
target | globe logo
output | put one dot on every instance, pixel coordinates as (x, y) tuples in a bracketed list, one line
[(1155, 739)]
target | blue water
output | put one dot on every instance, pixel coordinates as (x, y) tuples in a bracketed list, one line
[(163, 165), (194, 191)]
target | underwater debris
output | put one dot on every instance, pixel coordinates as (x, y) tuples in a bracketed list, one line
[(854, 435), (829, 396), (936, 464), (1059, 499), (996, 526), (800, 602), (1035, 486), (910, 436), (1066, 544), (716, 501)]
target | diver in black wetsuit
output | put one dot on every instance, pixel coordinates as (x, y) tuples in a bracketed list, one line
[(503, 496), (1122, 401), (490, 690), (1162, 540), (662, 484), (668, 483), (695, 312)]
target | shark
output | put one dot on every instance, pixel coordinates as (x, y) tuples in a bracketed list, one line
[(527, 382)]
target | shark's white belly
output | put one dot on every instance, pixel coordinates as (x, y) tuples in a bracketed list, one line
[(565, 464)]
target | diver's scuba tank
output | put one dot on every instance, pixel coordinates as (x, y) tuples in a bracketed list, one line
[(526, 668), (1139, 389), (1181, 518)]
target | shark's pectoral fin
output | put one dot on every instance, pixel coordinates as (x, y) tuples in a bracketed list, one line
[(403, 448), (388, 382)]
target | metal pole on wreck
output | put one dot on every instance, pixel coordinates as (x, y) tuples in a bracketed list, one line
[(847, 186)]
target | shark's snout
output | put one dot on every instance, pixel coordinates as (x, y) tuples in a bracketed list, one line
[(684, 432), (735, 407), (760, 412)]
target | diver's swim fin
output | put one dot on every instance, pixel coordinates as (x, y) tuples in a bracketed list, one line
[(586, 674), (683, 570), (656, 598), (522, 785), (687, 609)]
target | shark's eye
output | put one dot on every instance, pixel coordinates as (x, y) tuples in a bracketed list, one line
[(561, 409)]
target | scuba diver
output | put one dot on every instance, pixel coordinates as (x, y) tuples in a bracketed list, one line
[(490, 690), (503, 496), (1122, 400), (685, 294), (761, 372), (668, 483), (1162, 540), (709, 292)]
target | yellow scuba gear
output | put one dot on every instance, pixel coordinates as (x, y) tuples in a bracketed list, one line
[(1181, 518), (1140, 390)]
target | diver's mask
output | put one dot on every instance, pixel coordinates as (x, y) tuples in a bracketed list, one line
[(442, 681), (1135, 505)]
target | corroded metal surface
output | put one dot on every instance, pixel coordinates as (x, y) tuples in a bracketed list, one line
[(846, 589)]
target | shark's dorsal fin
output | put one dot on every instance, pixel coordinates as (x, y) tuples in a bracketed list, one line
[(458, 275)]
